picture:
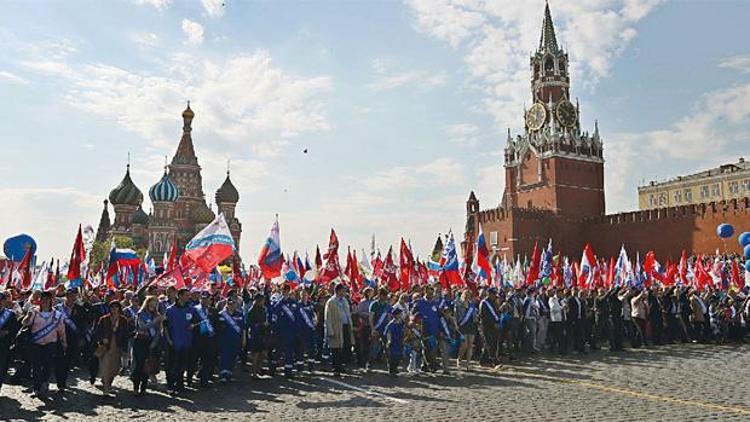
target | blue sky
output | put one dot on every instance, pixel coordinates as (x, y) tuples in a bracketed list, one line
[(403, 106)]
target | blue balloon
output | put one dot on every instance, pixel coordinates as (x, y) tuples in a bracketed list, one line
[(747, 251), (14, 247), (747, 265), (724, 230), (744, 239)]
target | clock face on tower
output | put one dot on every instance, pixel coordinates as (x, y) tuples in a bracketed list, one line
[(566, 113), (536, 116)]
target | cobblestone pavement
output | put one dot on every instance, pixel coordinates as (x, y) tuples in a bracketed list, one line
[(679, 382)]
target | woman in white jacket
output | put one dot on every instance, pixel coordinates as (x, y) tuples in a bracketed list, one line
[(556, 317)]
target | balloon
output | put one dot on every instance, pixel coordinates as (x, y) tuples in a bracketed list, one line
[(747, 251), (744, 239), (14, 247), (724, 230), (747, 265)]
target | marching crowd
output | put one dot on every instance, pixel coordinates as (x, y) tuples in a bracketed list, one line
[(201, 337)]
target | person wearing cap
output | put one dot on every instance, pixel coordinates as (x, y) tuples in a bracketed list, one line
[(9, 327), (394, 336), (489, 319), (232, 339), (205, 340), (284, 321), (111, 337), (338, 319), (74, 317), (47, 330), (380, 314), (531, 314)]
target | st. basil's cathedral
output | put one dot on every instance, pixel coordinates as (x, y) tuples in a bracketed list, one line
[(179, 204)]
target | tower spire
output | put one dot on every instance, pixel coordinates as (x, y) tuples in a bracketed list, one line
[(548, 41), (185, 151)]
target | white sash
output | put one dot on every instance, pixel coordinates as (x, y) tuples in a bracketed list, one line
[(469, 314), (204, 319), (381, 319), (288, 312), (66, 317), (306, 318), (491, 309), (231, 322), (4, 317)]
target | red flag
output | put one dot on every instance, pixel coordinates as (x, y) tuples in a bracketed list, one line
[(611, 272), (671, 273), (24, 268), (172, 262), (76, 257), (318, 259), (406, 262), (736, 275), (51, 279), (355, 277), (683, 268), (533, 274), (701, 275), (236, 273), (377, 266), (348, 266), (332, 268), (171, 278), (389, 272)]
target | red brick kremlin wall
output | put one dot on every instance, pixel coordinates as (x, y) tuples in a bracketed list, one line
[(666, 231)]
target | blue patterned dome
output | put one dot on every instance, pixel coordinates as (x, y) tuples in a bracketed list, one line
[(165, 190), (126, 193)]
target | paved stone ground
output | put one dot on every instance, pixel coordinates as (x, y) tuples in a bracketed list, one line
[(670, 383)]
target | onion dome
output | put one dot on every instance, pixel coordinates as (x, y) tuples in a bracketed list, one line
[(188, 113), (126, 193), (202, 214), (227, 193), (139, 217), (165, 190)]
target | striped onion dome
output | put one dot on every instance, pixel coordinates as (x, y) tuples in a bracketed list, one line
[(126, 193), (165, 190)]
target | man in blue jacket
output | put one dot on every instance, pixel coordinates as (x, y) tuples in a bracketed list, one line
[(180, 322)]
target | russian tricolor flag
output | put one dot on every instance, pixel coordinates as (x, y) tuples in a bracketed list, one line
[(482, 258), (211, 246), (270, 255)]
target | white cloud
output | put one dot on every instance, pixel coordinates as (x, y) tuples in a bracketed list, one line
[(740, 62), (496, 37), (145, 39), (215, 8), (463, 134), (12, 77), (193, 31), (441, 172), (158, 4), (386, 79)]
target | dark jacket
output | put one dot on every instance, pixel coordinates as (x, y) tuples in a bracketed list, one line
[(104, 330)]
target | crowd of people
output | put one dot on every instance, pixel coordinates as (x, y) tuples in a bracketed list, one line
[(202, 337)]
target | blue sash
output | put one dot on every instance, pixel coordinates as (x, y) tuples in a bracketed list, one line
[(491, 309), (306, 318), (288, 312), (66, 317), (381, 319), (231, 322), (468, 316), (205, 322), (4, 317), (36, 336)]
